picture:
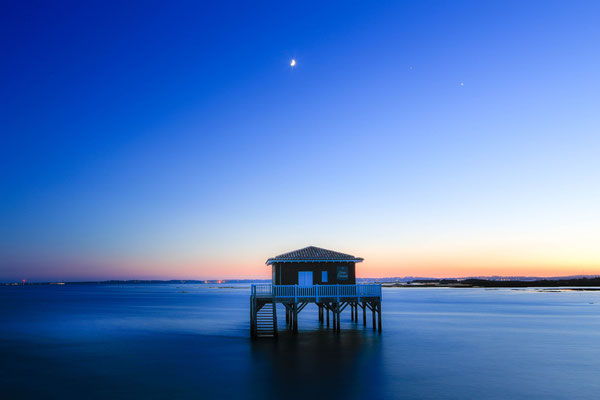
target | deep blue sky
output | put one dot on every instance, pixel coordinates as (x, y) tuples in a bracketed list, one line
[(172, 139)]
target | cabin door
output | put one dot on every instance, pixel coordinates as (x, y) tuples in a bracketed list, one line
[(305, 278)]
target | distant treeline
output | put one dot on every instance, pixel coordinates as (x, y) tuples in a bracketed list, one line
[(495, 283), (467, 282)]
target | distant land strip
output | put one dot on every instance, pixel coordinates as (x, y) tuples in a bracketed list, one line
[(406, 282)]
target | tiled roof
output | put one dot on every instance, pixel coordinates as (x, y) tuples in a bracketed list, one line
[(312, 253)]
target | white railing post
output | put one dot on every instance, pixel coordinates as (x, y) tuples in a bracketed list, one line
[(317, 293), (296, 293), (337, 290)]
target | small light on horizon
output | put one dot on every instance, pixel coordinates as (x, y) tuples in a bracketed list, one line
[(462, 84), (293, 63)]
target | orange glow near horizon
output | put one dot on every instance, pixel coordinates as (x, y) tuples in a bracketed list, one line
[(382, 268), (377, 264)]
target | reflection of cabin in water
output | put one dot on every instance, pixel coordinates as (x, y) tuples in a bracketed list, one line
[(312, 275), (314, 266)]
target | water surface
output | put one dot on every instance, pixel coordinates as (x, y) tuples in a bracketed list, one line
[(191, 342)]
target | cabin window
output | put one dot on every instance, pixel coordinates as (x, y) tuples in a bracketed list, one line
[(342, 273), (324, 276)]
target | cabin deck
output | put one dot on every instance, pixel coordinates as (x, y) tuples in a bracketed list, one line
[(328, 298)]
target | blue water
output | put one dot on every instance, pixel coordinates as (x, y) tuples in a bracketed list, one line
[(191, 342)]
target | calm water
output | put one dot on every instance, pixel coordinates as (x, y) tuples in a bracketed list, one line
[(191, 341)]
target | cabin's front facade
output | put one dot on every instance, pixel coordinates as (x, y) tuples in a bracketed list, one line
[(313, 266), (312, 275)]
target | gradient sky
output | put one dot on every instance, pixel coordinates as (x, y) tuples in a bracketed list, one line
[(173, 140)]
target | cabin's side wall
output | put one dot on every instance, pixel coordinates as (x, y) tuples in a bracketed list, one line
[(287, 273)]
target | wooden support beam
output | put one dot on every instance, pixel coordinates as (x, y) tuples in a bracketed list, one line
[(302, 305), (342, 306)]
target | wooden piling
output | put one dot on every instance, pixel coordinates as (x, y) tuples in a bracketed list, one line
[(275, 332), (333, 317), (379, 319), (252, 319), (320, 313), (263, 302), (374, 316), (295, 318)]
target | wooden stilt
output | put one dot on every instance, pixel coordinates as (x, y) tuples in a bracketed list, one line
[(320, 313), (351, 313), (275, 332), (374, 317), (252, 318), (333, 317), (328, 317), (339, 319), (295, 318), (364, 307), (379, 319)]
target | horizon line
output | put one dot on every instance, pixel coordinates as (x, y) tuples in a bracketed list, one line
[(232, 280)]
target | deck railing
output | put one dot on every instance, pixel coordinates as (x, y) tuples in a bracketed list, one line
[(316, 291)]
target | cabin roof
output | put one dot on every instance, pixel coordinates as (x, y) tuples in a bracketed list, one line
[(313, 254)]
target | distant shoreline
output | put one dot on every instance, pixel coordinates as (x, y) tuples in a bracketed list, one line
[(485, 283), (416, 283), (141, 282)]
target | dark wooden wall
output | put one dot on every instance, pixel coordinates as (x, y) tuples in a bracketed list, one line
[(287, 273)]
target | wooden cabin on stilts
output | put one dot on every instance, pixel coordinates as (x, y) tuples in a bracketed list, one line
[(312, 275)]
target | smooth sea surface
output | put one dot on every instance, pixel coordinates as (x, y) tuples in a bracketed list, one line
[(184, 341)]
